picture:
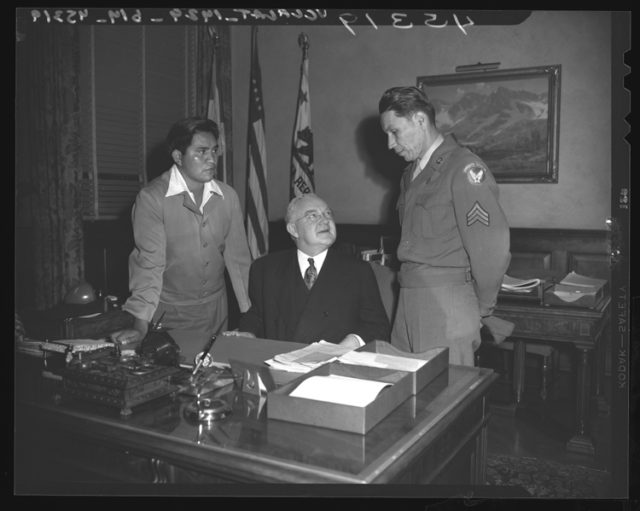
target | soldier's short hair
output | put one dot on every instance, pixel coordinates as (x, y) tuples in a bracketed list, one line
[(405, 101)]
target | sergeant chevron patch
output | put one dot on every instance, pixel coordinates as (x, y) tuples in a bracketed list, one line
[(477, 214)]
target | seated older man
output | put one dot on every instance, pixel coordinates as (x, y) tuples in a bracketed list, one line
[(314, 292)]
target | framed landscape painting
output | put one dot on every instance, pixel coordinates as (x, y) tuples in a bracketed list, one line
[(509, 118)]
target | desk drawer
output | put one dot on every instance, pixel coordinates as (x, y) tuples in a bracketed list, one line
[(456, 456), (563, 326)]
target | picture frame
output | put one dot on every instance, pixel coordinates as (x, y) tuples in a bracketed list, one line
[(508, 117)]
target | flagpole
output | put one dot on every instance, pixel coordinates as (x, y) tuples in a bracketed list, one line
[(215, 38), (303, 42), (214, 108), (302, 174), (256, 201)]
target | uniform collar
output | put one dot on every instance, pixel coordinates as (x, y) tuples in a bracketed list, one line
[(422, 163)]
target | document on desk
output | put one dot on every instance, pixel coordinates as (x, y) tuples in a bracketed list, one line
[(574, 286), (366, 358), (343, 390), (305, 359)]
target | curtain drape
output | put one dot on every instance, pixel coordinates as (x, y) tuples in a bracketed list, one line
[(49, 239)]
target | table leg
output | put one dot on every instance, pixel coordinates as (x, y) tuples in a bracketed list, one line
[(480, 457), (515, 405), (601, 402), (581, 441), (519, 350)]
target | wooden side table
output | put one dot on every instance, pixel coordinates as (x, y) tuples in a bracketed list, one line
[(584, 329)]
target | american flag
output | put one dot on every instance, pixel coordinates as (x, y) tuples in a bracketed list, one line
[(302, 145), (214, 111), (256, 218)]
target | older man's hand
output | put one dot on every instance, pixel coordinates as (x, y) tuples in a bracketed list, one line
[(351, 341), (237, 333)]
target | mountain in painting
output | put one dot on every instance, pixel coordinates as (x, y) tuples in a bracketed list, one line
[(503, 125)]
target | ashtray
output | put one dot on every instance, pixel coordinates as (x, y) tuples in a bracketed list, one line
[(206, 410)]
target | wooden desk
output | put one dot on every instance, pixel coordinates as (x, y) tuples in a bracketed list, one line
[(582, 328), (436, 437)]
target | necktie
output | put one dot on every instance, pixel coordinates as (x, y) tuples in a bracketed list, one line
[(311, 274)]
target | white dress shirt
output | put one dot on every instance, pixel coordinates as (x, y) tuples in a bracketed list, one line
[(178, 185), (303, 261)]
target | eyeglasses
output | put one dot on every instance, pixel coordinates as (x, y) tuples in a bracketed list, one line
[(315, 216)]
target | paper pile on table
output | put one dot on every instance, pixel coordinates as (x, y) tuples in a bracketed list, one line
[(305, 359)]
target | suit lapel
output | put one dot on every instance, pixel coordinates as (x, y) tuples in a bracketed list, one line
[(326, 278), (289, 273), (188, 203)]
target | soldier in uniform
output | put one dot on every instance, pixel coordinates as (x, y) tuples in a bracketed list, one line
[(454, 245)]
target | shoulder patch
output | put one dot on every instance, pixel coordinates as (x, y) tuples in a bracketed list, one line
[(476, 173)]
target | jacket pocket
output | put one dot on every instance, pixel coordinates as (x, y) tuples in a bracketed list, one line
[(432, 220)]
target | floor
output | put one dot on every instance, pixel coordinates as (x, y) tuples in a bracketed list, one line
[(542, 429), (533, 437)]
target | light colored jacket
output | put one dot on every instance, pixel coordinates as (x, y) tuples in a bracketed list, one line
[(180, 253)]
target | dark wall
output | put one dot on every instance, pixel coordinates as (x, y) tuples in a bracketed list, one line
[(107, 245)]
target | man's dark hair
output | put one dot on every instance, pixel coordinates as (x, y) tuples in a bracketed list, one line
[(181, 133), (405, 101)]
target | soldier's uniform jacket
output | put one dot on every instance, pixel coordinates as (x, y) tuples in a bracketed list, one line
[(451, 218)]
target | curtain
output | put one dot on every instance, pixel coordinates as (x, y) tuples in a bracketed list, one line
[(49, 238)]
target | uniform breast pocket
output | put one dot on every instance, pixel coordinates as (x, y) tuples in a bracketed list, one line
[(432, 220)]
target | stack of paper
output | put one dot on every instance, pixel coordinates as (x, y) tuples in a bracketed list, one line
[(308, 358), (587, 284), (575, 286), (75, 345), (366, 358), (335, 388), (514, 285)]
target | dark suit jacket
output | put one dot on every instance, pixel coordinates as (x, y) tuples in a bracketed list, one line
[(345, 299)]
